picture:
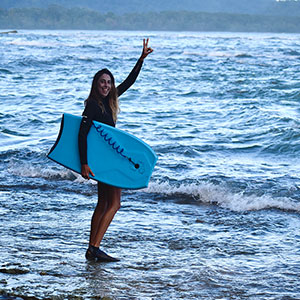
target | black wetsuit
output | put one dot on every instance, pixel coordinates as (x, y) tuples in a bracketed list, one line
[(92, 112)]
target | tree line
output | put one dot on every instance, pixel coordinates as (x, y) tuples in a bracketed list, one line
[(120, 7), (57, 17)]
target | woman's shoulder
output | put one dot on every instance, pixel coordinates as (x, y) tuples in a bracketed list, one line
[(91, 103), (91, 108)]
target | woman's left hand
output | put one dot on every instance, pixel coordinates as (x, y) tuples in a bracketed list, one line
[(146, 50)]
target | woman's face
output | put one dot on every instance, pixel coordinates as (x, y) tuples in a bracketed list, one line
[(104, 85)]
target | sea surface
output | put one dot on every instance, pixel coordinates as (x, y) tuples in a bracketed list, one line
[(220, 218)]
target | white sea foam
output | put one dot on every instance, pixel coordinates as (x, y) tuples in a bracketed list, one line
[(206, 193), (28, 170), (21, 42), (38, 171), (223, 197), (42, 44)]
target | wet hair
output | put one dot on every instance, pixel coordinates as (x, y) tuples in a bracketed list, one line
[(113, 96)]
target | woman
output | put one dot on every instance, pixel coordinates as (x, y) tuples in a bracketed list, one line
[(102, 105)]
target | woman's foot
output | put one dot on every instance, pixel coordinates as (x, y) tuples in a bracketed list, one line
[(95, 254)]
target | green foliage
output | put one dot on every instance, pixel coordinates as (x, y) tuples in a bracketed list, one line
[(57, 17), (120, 7)]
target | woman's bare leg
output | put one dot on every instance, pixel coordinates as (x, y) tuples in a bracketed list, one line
[(109, 202), (98, 214), (113, 201)]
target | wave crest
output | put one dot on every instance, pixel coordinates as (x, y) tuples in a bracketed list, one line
[(208, 193)]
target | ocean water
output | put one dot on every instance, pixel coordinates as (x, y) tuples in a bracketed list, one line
[(220, 218)]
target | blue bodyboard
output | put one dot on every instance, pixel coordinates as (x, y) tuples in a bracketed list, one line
[(115, 157)]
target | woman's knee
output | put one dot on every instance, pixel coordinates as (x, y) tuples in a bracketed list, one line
[(116, 207), (109, 197), (115, 204), (115, 201)]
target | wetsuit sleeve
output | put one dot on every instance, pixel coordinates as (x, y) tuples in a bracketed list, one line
[(129, 81), (85, 125)]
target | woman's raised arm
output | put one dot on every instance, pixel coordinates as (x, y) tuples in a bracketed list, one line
[(129, 81)]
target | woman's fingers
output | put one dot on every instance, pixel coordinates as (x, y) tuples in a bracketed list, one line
[(149, 50), (89, 171), (86, 171), (146, 50), (92, 173), (145, 43)]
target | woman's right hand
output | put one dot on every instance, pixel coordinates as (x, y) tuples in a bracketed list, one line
[(146, 50), (86, 171)]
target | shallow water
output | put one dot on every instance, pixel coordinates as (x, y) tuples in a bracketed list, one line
[(220, 218)]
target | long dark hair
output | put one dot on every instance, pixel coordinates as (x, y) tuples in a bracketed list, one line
[(113, 96)]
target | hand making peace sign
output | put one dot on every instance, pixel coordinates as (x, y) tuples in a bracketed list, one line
[(146, 50)]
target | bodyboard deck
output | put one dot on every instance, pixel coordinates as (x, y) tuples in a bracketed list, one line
[(116, 157)]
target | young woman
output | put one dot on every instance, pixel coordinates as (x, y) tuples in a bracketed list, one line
[(102, 105)]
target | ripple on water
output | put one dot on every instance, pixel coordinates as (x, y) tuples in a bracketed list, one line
[(220, 216)]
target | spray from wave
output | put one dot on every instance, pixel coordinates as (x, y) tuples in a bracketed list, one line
[(208, 193), (200, 192), (56, 173), (30, 170)]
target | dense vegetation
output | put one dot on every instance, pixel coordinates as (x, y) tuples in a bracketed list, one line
[(57, 17), (258, 7)]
